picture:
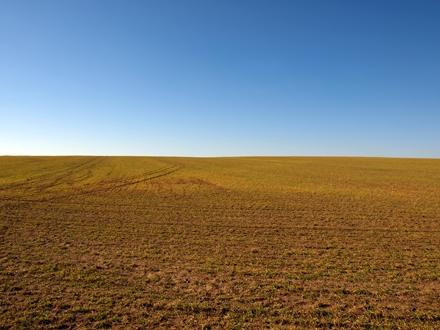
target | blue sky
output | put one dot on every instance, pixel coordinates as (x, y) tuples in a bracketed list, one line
[(210, 78)]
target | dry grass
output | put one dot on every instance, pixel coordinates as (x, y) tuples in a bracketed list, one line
[(133, 242)]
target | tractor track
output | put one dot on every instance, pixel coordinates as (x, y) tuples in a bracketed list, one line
[(277, 229), (147, 176), (56, 174), (150, 176)]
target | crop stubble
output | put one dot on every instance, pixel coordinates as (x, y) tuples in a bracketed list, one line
[(219, 242)]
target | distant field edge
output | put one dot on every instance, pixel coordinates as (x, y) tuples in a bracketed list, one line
[(226, 156)]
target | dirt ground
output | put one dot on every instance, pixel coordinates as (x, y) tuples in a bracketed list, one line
[(227, 243)]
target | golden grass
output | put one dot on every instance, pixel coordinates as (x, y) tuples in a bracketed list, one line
[(142, 242)]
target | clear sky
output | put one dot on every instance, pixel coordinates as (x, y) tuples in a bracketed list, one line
[(217, 77)]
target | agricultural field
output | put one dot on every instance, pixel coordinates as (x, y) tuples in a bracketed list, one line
[(221, 243)]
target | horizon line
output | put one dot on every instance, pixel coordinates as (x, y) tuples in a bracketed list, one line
[(223, 156)]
